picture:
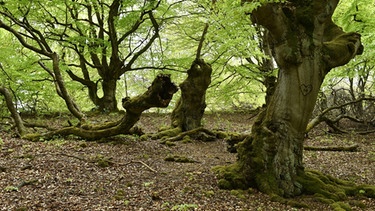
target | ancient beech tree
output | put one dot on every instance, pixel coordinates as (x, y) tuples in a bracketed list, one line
[(306, 45), (190, 108), (159, 94), (95, 41)]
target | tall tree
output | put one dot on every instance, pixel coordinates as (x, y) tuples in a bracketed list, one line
[(189, 110), (306, 44), (32, 38), (97, 40)]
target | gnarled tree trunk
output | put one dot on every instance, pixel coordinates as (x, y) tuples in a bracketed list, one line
[(189, 110), (306, 45)]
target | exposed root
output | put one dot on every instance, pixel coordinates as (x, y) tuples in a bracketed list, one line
[(333, 191), (324, 188), (351, 148)]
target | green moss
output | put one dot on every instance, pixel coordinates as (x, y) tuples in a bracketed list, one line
[(169, 143), (238, 193), (341, 206), (250, 191), (178, 159), (82, 144), (230, 177), (316, 183), (167, 133), (366, 190), (221, 134), (186, 139), (225, 184), (277, 198), (323, 199), (357, 203), (23, 208), (144, 137), (102, 161), (120, 195), (333, 191), (32, 137), (267, 184), (297, 204), (209, 193)]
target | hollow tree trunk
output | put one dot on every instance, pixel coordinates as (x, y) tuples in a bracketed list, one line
[(189, 110), (306, 45)]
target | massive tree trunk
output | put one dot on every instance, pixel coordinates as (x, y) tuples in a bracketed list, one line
[(189, 110), (306, 45)]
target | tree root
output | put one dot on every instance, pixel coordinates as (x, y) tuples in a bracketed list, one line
[(324, 188), (234, 139), (351, 148), (176, 134), (333, 191)]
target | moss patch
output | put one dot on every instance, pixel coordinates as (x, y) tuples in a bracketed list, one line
[(230, 177), (179, 159), (333, 191)]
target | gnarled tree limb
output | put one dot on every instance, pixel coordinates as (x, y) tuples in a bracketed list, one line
[(159, 94)]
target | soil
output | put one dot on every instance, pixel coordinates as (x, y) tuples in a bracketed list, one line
[(126, 173)]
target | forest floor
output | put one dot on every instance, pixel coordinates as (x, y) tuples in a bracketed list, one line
[(125, 173)]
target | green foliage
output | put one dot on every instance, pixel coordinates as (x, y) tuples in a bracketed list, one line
[(356, 79), (230, 39)]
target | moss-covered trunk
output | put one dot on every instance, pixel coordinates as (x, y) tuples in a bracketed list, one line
[(108, 102), (189, 110), (274, 153), (306, 45)]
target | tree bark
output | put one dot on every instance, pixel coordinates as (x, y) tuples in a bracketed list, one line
[(108, 102), (15, 115), (306, 45), (189, 110)]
